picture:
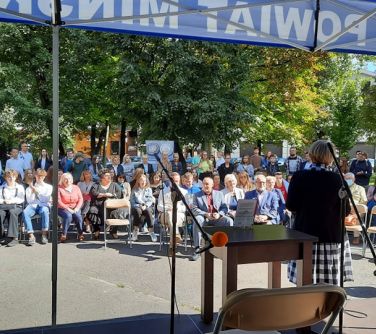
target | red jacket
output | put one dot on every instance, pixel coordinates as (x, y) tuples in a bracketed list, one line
[(71, 200)]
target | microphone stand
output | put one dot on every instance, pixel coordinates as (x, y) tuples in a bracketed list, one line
[(344, 194), (176, 196)]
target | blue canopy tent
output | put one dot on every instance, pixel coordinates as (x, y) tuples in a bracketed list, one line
[(309, 25)]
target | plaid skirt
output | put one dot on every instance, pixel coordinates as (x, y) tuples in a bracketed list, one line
[(326, 259)]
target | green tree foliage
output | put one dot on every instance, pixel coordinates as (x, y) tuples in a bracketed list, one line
[(190, 92), (283, 85), (341, 88), (368, 114)]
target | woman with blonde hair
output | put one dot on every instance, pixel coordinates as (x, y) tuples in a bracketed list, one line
[(38, 197), (313, 199), (69, 205), (85, 184), (142, 203), (245, 182)]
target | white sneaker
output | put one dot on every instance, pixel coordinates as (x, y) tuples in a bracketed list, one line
[(153, 237), (134, 236)]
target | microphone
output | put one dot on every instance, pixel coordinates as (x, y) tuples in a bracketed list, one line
[(218, 239)]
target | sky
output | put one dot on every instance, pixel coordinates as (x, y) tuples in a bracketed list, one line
[(371, 67)]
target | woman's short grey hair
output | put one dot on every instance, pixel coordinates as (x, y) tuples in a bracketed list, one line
[(230, 177)]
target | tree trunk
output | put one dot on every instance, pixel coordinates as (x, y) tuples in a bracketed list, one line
[(123, 136), (107, 130), (93, 135)]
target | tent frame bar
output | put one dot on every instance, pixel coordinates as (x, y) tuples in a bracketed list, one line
[(344, 31), (24, 16)]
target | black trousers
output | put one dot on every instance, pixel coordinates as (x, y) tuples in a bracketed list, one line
[(146, 214), (10, 215)]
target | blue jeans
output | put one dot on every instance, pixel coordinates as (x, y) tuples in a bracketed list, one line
[(30, 211), (68, 218)]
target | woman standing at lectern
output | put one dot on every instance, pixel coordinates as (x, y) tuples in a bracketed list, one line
[(313, 197)]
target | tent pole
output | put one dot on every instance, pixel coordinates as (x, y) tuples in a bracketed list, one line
[(55, 144)]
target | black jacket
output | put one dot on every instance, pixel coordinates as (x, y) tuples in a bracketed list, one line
[(313, 197)]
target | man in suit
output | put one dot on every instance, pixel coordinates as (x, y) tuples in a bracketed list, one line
[(267, 202), (210, 209), (148, 168)]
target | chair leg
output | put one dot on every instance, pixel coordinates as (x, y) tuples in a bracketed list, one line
[(104, 234), (185, 235)]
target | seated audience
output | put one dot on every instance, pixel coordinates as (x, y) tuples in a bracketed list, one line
[(85, 184), (116, 167), (246, 166), (267, 202), (232, 194), (209, 208), (128, 168), (359, 196), (226, 168), (188, 185), (176, 165), (217, 185), (165, 208), (44, 161), (245, 182), (281, 184), (28, 178), (205, 166), (124, 186), (155, 184), (196, 181), (100, 191), (38, 198), (272, 165), (142, 208), (95, 167), (270, 186), (69, 206), (137, 174), (256, 159), (146, 166), (12, 196)]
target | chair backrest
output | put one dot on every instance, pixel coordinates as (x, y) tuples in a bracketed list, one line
[(116, 203), (281, 309), (373, 211), (362, 208)]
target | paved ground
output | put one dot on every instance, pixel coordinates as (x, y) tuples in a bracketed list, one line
[(97, 284)]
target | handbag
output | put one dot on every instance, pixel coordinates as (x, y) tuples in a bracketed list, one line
[(351, 220)]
